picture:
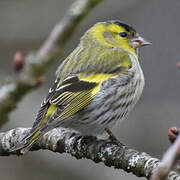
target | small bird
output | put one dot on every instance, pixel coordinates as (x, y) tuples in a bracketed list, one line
[(97, 85)]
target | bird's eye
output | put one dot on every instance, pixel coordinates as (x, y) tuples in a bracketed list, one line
[(123, 34)]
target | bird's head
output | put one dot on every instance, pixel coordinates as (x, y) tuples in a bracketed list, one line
[(116, 34)]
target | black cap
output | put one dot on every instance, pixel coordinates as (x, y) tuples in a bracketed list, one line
[(127, 27)]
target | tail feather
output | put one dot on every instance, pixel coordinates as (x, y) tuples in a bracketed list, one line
[(33, 138), (27, 142), (30, 139), (18, 147), (35, 133), (26, 148)]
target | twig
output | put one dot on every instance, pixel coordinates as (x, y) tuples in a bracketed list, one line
[(173, 133), (169, 160), (110, 153), (37, 62)]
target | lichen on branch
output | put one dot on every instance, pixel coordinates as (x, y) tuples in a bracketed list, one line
[(110, 153)]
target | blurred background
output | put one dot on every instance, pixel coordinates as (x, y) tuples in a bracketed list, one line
[(26, 24)]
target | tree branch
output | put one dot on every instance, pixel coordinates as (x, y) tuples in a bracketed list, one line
[(169, 160), (110, 153), (38, 62)]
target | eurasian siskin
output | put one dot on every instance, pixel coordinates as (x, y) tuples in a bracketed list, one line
[(97, 85)]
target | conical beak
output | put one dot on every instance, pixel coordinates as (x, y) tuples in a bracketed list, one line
[(139, 41)]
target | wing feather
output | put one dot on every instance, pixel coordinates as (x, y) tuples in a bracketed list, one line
[(77, 85)]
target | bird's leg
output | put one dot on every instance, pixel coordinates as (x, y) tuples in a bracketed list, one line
[(111, 135), (113, 138)]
